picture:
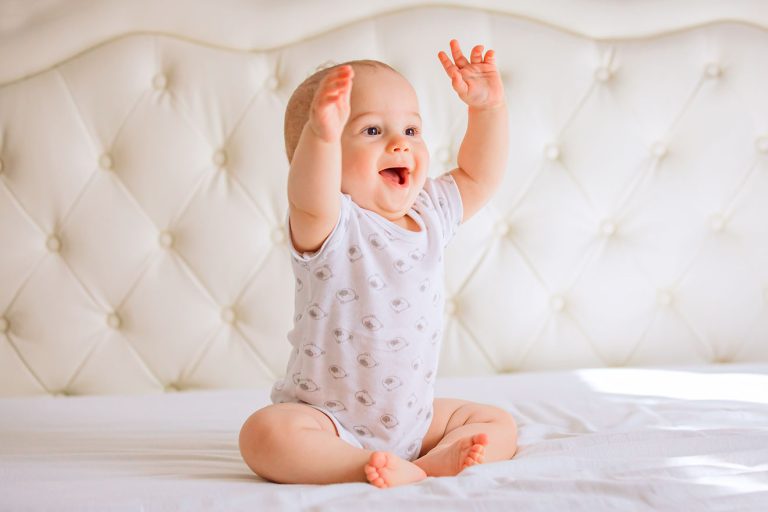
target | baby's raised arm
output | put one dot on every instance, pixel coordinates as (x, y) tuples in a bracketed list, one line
[(482, 157), (314, 179)]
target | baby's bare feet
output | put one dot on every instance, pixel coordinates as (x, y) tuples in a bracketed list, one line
[(387, 470), (452, 459)]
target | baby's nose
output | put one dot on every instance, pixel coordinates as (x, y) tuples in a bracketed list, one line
[(398, 145)]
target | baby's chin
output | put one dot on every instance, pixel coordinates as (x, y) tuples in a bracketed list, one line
[(390, 210), (387, 201)]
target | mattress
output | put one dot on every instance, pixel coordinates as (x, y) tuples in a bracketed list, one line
[(593, 439)]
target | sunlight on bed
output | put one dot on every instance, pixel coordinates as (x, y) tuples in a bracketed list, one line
[(711, 470), (679, 384)]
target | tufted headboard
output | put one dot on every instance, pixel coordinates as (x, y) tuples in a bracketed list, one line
[(143, 203)]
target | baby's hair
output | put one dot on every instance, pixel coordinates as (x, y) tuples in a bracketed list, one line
[(297, 110)]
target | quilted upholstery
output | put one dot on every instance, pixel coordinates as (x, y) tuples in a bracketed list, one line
[(142, 203)]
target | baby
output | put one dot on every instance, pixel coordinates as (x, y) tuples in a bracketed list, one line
[(368, 229)]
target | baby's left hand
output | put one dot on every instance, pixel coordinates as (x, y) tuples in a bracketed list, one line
[(476, 81)]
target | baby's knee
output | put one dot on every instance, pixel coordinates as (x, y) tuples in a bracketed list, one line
[(484, 413), (274, 428), (258, 435), (506, 417)]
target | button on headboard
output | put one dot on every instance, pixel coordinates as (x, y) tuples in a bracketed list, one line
[(142, 189)]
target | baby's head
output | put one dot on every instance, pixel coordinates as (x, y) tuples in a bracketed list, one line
[(384, 159)]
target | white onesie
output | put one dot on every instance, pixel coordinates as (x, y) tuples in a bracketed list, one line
[(369, 313)]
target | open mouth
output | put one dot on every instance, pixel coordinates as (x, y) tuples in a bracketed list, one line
[(396, 175)]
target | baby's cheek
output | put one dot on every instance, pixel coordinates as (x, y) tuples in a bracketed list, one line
[(423, 156)]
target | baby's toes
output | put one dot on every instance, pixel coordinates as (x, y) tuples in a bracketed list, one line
[(474, 456), (375, 469), (373, 476), (477, 455)]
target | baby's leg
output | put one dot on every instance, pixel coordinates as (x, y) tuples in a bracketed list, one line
[(295, 443), (466, 433)]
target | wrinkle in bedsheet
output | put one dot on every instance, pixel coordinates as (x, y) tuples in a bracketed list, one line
[(580, 449)]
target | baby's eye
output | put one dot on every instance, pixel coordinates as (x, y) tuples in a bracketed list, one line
[(411, 132), (373, 130)]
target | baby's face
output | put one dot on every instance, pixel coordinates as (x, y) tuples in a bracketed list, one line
[(384, 159)]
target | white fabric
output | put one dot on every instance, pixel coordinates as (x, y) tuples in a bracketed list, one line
[(142, 193), (590, 440), (143, 185), (260, 24), (342, 432), (368, 320)]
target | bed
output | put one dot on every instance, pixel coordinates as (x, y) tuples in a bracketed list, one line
[(613, 296), (596, 439)]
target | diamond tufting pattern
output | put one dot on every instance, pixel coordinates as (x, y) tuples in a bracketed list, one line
[(142, 205)]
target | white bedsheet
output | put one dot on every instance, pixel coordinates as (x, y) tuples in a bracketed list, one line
[(603, 439)]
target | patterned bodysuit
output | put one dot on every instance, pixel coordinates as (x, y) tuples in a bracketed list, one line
[(368, 319)]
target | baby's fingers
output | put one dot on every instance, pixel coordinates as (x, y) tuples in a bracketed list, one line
[(490, 57), (341, 72), (458, 57), (476, 57), (335, 82), (449, 66), (330, 106), (457, 82)]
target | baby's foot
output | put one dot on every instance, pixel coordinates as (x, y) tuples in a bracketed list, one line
[(454, 458), (387, 470)]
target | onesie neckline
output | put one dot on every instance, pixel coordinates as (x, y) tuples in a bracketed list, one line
[(389, 226)]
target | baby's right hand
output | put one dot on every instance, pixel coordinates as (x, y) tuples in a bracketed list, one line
[(330, 106)]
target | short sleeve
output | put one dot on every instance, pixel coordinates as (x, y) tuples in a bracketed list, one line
[(334, 238), (444, 195)]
